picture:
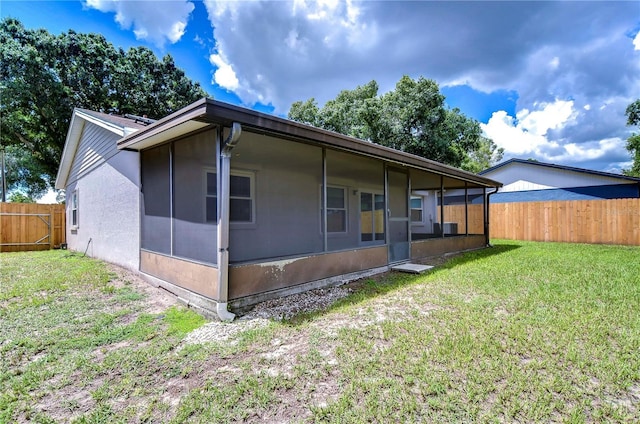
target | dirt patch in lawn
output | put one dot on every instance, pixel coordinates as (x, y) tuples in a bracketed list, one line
[(156, 299), (278, 357)]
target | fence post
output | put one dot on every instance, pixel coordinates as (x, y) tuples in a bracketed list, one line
[(51, 224)]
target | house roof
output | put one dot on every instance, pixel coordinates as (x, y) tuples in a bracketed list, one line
[(119, 125), (122, 122), (207, 112), (561, 167)]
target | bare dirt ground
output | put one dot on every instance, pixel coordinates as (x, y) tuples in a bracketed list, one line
[(277, 357), (278, 309), (156, 299)]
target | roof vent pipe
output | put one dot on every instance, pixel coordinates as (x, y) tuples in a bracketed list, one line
[(223, 222)]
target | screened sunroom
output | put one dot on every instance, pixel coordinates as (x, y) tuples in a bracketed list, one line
[(238, 206)]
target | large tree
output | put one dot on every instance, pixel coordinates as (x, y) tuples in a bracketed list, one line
[(633, 142), (412, 118), (44, 76)]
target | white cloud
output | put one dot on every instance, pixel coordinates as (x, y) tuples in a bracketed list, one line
[(528, 135), (156, 22), (513, 137), (224, 75), (590, 151), (280, 50), (549, 116), (49, 197)]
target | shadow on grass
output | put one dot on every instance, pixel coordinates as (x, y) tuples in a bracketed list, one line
[(387, 282)]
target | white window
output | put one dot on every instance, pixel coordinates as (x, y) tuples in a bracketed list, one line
[(241, 197), (74, 209), (416, 209), (336, 210)]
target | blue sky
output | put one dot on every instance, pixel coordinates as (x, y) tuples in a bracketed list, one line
[(547, 80)]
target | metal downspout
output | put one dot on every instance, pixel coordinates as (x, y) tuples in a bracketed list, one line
[(488, 206), (223, 222)]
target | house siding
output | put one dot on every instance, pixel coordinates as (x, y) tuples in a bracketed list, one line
[(516, 175), (97, 145), (108, 211)]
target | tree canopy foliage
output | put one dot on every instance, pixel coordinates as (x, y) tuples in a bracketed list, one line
[(20, 197), (412, 118), (633, 142), (44, 76)]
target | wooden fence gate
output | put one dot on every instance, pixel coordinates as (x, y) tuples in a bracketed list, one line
[(31, 226)]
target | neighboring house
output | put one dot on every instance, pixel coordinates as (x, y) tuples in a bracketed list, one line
[(531, 181), (226, 206)]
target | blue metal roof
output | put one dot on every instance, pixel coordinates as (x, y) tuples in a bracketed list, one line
[(615, 191)]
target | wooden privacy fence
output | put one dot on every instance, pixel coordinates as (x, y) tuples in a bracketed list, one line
[(614, 221), (456, 213), (31, 226)]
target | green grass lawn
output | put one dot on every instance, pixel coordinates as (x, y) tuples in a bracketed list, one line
[(522, 332)]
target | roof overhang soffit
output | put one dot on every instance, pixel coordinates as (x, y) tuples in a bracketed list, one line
[(210, 112), (184, 121)]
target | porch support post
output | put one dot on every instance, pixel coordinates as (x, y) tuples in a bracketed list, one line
[(224, 177), (387, 211), (409, 210), (487, 206), (325, 241), (486, 215), (441, 206), (466, 209), (171, 198)]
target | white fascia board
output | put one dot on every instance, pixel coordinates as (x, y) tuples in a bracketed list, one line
[(117, 129), (128, 131), (70, 145)]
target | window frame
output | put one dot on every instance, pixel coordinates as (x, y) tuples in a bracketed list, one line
[(421, 209), (345, 208), (205, 180), (373, 194), (73, 210), (251, 175)]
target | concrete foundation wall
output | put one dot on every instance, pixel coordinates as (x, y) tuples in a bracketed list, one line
[(108, 211), (250, 279), (422, 249), (198, 278)]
